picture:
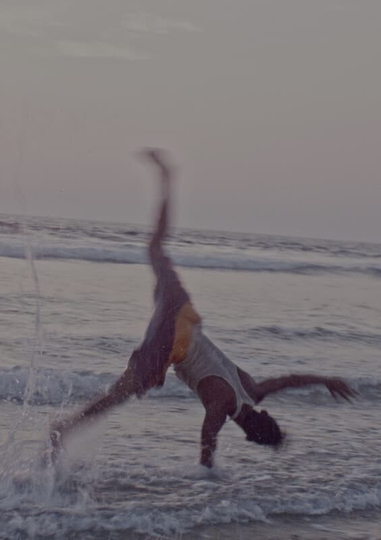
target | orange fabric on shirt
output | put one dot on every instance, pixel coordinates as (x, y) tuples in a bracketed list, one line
[(185, 321)]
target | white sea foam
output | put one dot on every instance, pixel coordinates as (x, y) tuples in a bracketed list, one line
[(53, 387), (118, 243), (72, 502), (191, 258)]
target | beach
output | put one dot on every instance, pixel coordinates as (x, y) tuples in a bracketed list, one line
[(73, 313)]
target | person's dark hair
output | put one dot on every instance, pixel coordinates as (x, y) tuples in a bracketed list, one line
[(262, 428)]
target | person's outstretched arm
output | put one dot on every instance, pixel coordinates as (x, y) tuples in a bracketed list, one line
[(214, 420), (218, 399), (336, 386)]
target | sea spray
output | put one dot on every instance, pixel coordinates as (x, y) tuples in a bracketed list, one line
[(64, 388)]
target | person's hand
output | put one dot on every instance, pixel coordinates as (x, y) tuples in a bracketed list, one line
[(157, 155), (159, 158), (337, 387), (206, 462)]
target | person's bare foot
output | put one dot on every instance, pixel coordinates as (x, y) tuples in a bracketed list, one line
[(158, 157), (55, 438)]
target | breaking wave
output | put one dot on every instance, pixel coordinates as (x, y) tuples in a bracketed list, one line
[(54, 387), (73, 507), (213, 259)]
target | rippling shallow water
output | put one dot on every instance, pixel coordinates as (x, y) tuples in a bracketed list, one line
[(136, 471)]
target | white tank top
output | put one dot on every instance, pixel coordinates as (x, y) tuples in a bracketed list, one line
[(204, 359)]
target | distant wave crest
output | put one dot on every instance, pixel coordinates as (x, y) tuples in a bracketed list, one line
[(135, 254), (315, 333)]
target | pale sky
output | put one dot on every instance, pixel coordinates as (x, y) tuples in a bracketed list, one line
[(272, 109)]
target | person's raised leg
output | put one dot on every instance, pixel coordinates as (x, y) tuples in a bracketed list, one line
[(157, 258)]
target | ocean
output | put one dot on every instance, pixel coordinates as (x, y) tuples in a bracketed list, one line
[(76, 298)]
